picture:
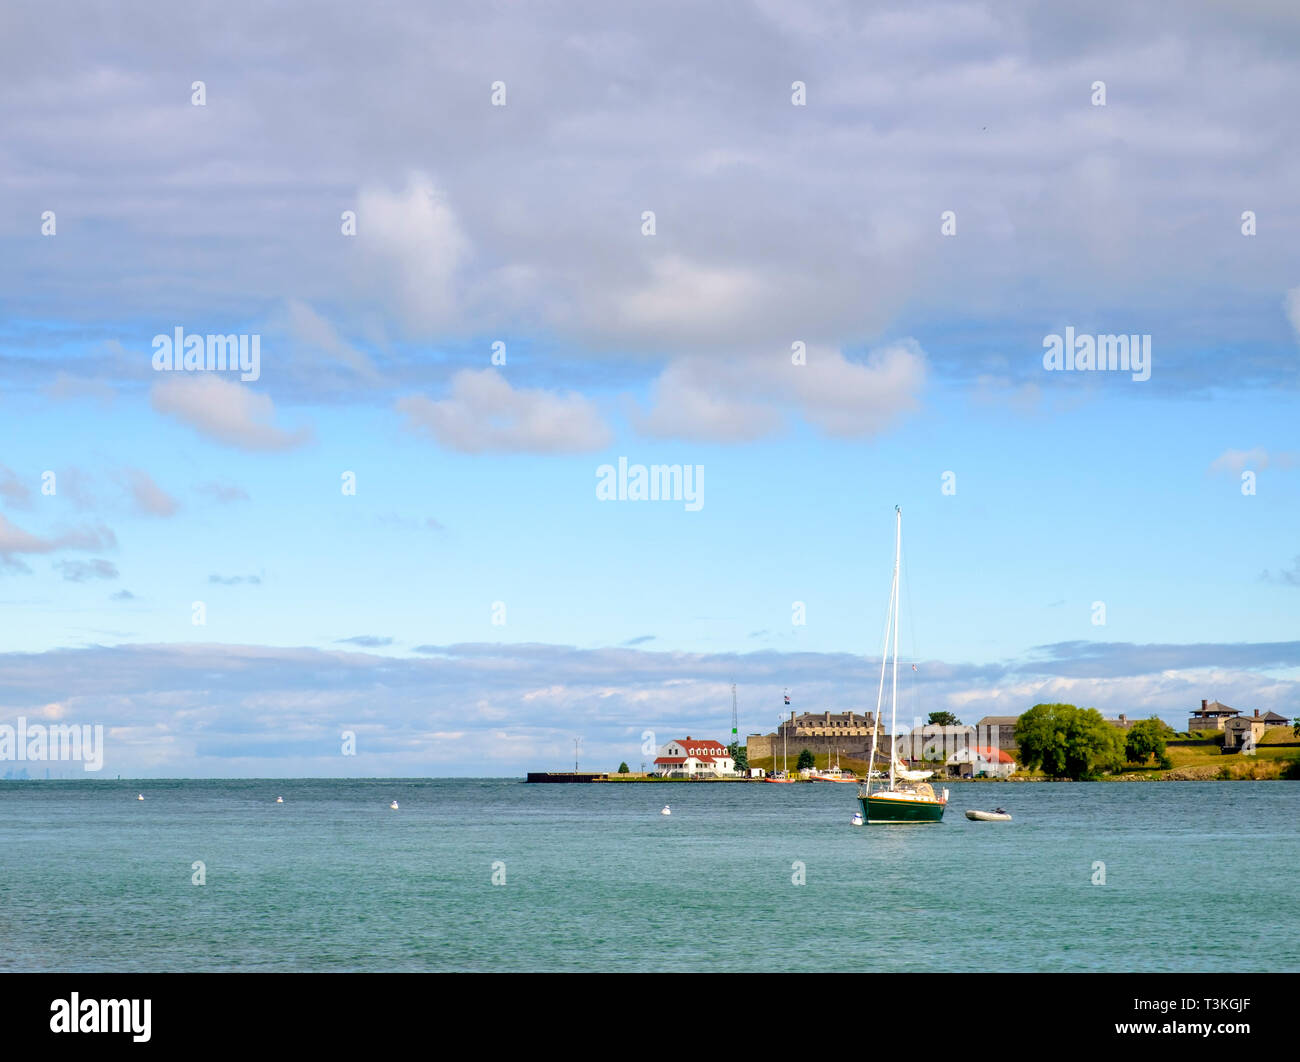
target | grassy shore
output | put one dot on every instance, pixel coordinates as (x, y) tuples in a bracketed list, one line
[(638, 777), (821, 761), (1198, 759), (1205, 760)]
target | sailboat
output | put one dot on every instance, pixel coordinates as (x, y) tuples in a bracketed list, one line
[(909, 798), (834, 774)]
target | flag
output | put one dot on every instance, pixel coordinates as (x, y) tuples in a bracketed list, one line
[(787, 698), (913, 667)]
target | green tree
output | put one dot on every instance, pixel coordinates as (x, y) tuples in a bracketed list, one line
[(739, 754), (622, 768), (1295, 727), (944, 719), (1146, 738), (1069, 742), (805, 760)]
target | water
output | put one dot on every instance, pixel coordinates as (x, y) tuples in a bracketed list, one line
[(1198, 877)]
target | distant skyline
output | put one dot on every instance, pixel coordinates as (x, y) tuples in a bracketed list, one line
[(818, 254)]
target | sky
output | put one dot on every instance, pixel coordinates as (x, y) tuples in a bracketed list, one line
[(813, 254)]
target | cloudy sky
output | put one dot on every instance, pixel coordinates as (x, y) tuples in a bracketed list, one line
[(814, 250)]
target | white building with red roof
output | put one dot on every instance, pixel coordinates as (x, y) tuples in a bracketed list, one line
[(983, 759), (694, 758)]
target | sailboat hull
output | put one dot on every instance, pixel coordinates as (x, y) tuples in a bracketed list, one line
[(886, 809)]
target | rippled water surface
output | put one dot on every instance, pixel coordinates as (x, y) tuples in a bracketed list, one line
[(1198, 876)]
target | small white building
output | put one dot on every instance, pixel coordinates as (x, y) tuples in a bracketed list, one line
[(694, 758), (982, 759)]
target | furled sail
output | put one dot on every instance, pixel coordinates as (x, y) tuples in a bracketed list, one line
[(909, 776)]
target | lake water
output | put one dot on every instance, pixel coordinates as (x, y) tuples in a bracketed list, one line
[(1199, 876)]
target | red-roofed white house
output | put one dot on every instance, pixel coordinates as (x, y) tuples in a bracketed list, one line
[(694, 758), (982, 759)]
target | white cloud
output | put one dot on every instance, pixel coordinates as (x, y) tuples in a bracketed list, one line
[(853, 400), (1293, 309), (738, 399), (319, 338), (225, 411), (685, 298), (413, 248), (149, 498), (278, 711), (773, 220), (1257, 459), (14, 540), (699, 401), (485, 414)]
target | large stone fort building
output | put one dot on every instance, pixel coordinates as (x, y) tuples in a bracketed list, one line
[(849, 732)]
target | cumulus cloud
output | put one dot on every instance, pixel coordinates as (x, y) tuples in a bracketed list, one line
[(224, 411), (14, 541), (854, 400), (149, 498), (735, 400), (773, 222), (707, 402), (412, 246), (1257, 459), (691, 300), (485, 414)]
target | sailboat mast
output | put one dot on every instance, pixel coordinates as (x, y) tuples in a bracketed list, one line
[(880, 691), (893, 708)]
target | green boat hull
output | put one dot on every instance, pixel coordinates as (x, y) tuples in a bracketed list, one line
[(883, 810)]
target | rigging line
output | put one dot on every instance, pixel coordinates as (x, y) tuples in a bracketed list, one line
[(911, 622), (912, 684), (906, 697), (880, 694)]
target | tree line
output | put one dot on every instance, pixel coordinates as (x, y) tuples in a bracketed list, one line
[(1078, 743)]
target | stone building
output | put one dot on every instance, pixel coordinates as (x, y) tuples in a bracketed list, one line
[(1210, 716), (820, 732), (1236, 729), (1004, 736), (827, 724)]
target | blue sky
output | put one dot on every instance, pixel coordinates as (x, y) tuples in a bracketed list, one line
[(775, 224)]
